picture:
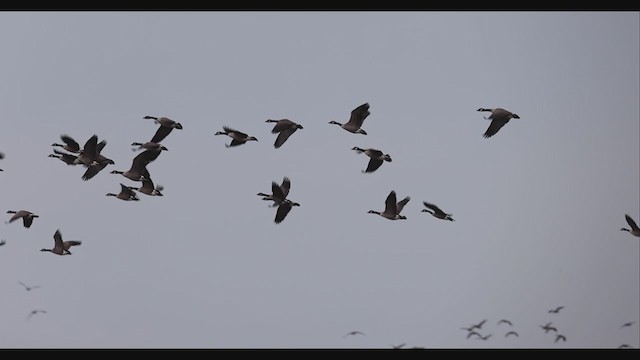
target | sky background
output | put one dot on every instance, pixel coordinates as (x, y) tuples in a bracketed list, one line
[(538, 207)]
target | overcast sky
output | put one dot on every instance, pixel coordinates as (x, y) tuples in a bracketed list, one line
[(538, 207)]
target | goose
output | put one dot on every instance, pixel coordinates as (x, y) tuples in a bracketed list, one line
[(286, 128), (139, 165), (283, 209), (560, 337), (355, 121), (60, 247), (29, 288), (279, 192), (69, 144), (147, 187), (238, 137), (3, 242), (356, 332), (166, 126), (627, 324), (548, 328), (377, 158), (34, 312), (634, 228), (556, 310), (149, 146), (392, 209), (485, 338), (511, 333), (436, 212), (126, 193), (505, 321), (479, 325), (398, 346), (99, 163), (27, 217), (64, 157), (499, 118), (89, 151)]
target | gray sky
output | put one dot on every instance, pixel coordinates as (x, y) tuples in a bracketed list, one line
[(538, 207)]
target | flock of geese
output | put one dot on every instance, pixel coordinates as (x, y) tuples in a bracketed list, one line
[(90, 156)]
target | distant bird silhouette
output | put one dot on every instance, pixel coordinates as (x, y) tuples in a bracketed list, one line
[(485, 338), (356, 332), (479, 325), (238, 137), (398, 346), (499, 118), (2, 242), (634, 228), (392, 209), (61, 247), (166, 126), (511, 333), (548, 328), (286, 128), (377, 157), (29, 288), (70, 144), (27, 217), (560, 337), (505, 321), (556, 310), (625, 346), (468, 329), (34, 312), (473, 333), (436, 212), (627, 324), (278, 192), (355, 121)]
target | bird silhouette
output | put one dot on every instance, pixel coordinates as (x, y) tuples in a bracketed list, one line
[(627, 324), (625, 346), (34, 312), (556, 310), (356, 332), (28, 288), (479, 325), (560, 337), (511, 333), (473, 333), (2, 242), (505, 321), (398, 346)]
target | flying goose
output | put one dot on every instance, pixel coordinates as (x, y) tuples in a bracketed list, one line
[(28, 288), (392, 209), (398, 346), (356, 332), (64, 157), (479, 325), (355, 121), (126, 193), (634, 228), (499, 118), (3, 242), (436, 212), (69, 144), (556, 310), (627, 324), (238, 137), (286, 128), (147, 187), (377, 158), (34, 312), (27, 217), (99, 163), (283, 209), (473, 333), (485, 338), (511, 333), (149, 146), (139, 165), (60, 247), (505, 321), (278, 192), (548, 328), (166, 126), (560, 337), (88, 152)]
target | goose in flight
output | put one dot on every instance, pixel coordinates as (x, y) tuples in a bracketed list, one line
[(634, 228), (560, 337), (392, 209), (377, 158), (149, 146), (283, 209), (356, 332), (139, 165), (479, 325), (28, 288), (61, 247), (3, 242), (398, 346), (69, 144), (627, 324), (285, 128), (511, 333), (278, 192), (238, 137), (505, 321), (166, 126), (27, 217), (436, 212), (126, 193), (556, 310), (499, 118), (355, 121), (34, 312)]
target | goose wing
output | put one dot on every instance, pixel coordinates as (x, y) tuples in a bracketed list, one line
[(401, 204), (284, 135), (631, 222), (71, 143), (374, 164), (359, 114)]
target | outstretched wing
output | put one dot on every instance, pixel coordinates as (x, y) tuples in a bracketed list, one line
[(374, 164), (390, 203), (359, 114), (631, 222), (401, 204), (496, 124), (286, 185), (283, 136), (282, 212), (161, 133)]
